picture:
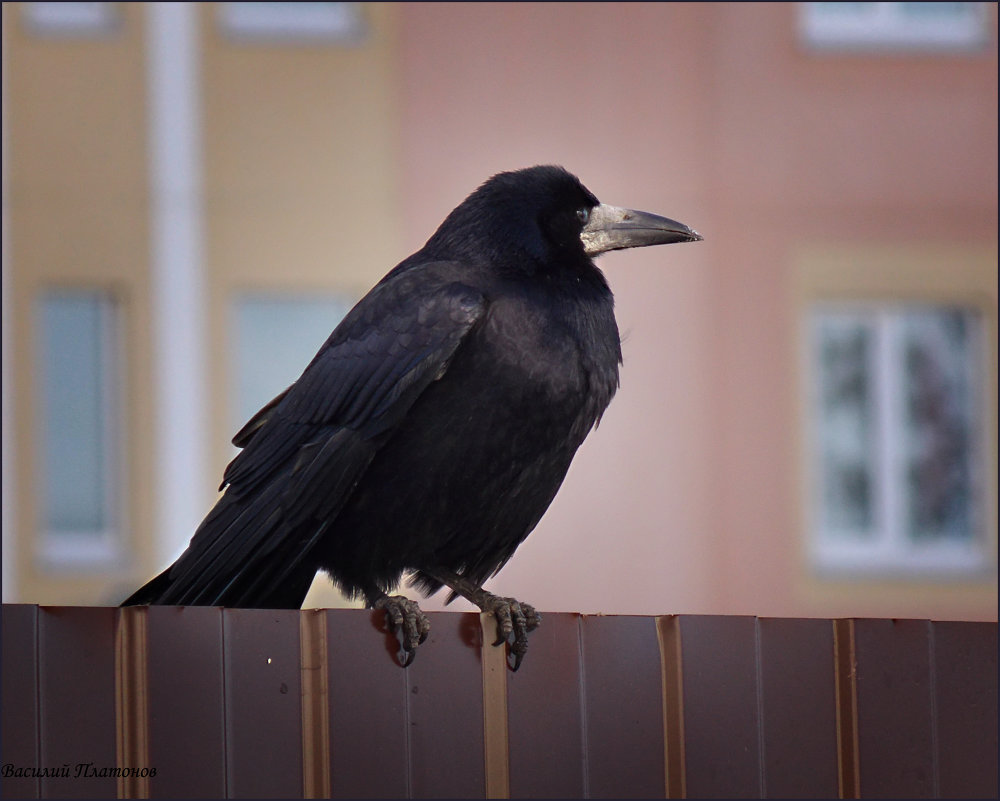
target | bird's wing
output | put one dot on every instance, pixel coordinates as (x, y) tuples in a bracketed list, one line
[(304, 452), (398, 339), (254, 424)]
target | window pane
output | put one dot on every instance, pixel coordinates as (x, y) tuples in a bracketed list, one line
[(897, 425), (261, 21), (940, 358), (891, 26), (846, 9), (78, 380), (276, 336), (936, 11), (845, 419), (69, 19)]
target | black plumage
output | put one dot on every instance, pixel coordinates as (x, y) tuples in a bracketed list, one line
[(434, 426)]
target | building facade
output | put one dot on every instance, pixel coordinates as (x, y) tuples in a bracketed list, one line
[(195, 193)]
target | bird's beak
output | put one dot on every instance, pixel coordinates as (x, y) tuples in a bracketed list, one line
[(612, 228)]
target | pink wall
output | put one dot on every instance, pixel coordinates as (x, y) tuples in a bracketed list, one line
[(490, 87), (819, 149), (684, 500)]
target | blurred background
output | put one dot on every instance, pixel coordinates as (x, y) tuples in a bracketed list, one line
[(195, 193)]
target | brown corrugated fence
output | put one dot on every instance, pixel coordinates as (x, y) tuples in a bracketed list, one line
[(202, 702)]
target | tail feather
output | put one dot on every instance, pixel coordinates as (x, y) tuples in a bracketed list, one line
[(232, 562), (150, 592), (256, 548), (220, 554)]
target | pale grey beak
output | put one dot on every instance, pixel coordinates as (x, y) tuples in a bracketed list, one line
[(612, 228)]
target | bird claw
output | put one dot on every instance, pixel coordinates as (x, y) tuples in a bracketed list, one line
[(514, 621), (404, 617)]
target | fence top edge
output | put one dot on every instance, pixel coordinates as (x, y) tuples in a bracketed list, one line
[(56, 608)]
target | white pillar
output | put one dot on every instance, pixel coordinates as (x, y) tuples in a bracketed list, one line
[(179, 330)]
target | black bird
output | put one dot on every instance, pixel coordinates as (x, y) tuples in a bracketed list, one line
[(434, 426)]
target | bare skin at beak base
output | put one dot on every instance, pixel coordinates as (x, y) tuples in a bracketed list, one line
[(614, 228)]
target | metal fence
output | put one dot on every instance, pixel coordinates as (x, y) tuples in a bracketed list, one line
[(204, 702)]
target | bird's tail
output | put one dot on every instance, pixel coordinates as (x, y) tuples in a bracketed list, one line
[(150, 592), (241, 556)]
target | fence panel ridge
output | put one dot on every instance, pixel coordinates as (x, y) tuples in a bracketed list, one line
[(132, 707)]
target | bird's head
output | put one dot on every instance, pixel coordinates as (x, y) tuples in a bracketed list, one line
[(540, 215)]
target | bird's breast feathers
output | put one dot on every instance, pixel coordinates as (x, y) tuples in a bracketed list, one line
[(567, 356)]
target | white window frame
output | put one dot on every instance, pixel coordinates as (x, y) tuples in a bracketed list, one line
[(881, 26), (292, 22), (890, 552), (70, 550)]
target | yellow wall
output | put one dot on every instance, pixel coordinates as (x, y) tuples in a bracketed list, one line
[(300, 160), (79, 218)]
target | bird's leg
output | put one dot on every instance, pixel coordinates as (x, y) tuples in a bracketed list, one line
[(514, 619), (403, 616)]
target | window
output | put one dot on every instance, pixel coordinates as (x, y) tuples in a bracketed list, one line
[(80, 422), (69, 19), (896, 438), (289, 22), (878, 26), (276, 336)]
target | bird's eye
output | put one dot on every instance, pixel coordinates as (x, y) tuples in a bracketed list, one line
[(583, 215)]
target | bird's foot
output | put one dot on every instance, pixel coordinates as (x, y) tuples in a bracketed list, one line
[(405, 618), (514, 620)]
